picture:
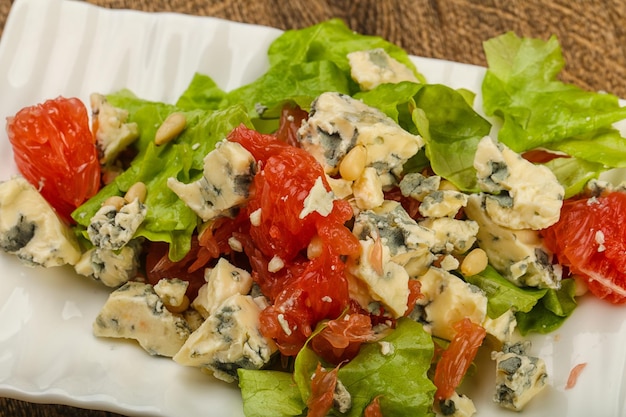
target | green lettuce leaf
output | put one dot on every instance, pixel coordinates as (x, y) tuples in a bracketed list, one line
[(305, 63), (445, 119), (269, 394), (503, 295), (399, 378), (202, 93), (331, 41), (574, 173), (555, 307), (168, 218), (538, 110), (451, 130)]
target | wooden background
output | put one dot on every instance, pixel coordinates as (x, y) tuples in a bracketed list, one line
[(592, 34)]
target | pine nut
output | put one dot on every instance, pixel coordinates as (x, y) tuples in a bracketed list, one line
[(375, 257), (580, 285), (314, 249), (171, 127), (180, 308), (353, 164), (115, 201), (447, 185), (474, 263), (137, 190)]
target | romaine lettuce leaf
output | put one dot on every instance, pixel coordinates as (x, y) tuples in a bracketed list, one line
[(538, 110), (201, 93)]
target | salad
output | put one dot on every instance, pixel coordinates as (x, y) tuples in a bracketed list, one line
[(439, 185)]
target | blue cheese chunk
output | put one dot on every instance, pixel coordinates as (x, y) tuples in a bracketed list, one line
[(135, 311), (228, 173), (112, 228), (519, 255), (519, 377), (448, 299), (113, 134), (337, 123), (418, 186), (228, 339), (31, 229), (456, 406), (521, 195), (442, 203), (451, 235), (171, 290), (112, 268), (368, 190), (375, 67), (222, 281), (376, 278), (318, 200), (501, 328), (409, 243)]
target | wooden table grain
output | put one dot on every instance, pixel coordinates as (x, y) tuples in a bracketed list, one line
[(592, 34)]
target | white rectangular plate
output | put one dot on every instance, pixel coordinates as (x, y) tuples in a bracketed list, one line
[(47, 351)]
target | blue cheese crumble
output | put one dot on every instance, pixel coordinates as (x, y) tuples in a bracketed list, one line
[(519, 255), (519, 377), (227, 175), (31, 229), (519, 194), (112, 268), (375, 67), (114, 133), (135, 311), (228, 339), (338, 122), (112, 228)]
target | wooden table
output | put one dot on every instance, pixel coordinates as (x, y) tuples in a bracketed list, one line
[(591, 32)]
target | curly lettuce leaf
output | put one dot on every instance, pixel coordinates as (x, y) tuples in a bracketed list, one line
[(305, 63), (331, 40), (398, 377), (538, 110), (168, 218)]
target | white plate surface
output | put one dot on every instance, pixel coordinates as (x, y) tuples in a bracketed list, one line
[(47, 351)]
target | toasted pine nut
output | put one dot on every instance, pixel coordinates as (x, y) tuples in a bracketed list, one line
[(171, 127), (474, 263), (376, 256), (353, 164), (180, 308), (137, 190), (447, 185), (314, 249), (580, 285), (115, 201)]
